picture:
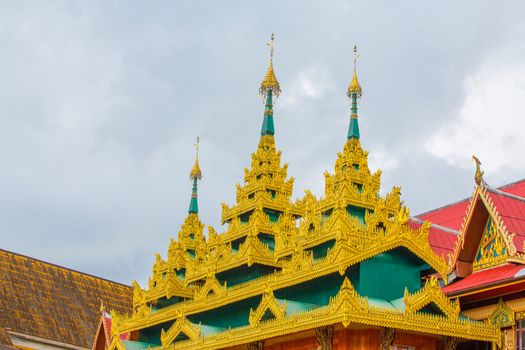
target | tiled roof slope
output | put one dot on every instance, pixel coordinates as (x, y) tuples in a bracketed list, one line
[(452, 215), (4, 337), (55, 303), (511, 209), (482, 278)]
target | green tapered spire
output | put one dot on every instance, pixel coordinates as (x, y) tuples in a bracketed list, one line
[(354, 92), (269, 88), (194, 206), (267, 126), (195, 175), (353, 128)]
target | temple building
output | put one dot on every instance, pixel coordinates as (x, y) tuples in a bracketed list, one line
[(348, 270), (46, 306)]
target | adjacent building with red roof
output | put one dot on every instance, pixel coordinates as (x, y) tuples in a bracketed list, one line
[(482, 238)]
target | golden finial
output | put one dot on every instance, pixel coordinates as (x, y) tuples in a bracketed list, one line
[(354, 87), (478, 177), (196, 170), (270, 81)]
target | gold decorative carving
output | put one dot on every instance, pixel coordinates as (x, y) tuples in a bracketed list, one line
[(450, 343), (431, 293), (258, 345), (181, 325), (324, 337), (211, 287), (387, 338), (268, 303), (502, 316)]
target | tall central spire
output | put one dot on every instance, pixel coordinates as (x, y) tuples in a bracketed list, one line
[(269, 88), (354, 93), (195, 176)]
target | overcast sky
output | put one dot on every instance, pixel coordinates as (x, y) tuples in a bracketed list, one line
[(100, 103)]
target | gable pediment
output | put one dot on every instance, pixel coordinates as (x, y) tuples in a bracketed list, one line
[(484, 240)]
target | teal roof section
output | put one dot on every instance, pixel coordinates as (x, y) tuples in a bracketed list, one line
[(399, 304), (381, 303), (209, 330), (137, 345), (295, 307)]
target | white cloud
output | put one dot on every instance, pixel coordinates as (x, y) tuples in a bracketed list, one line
[(382, 159), (312, 83), (490, 123)]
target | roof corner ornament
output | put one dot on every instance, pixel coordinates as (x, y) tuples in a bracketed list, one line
[(478, 177)]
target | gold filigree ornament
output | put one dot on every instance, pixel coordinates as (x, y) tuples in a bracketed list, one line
[(270, 81), (502, 316)]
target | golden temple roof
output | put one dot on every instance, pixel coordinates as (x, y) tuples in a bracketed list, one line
[(270, 82)]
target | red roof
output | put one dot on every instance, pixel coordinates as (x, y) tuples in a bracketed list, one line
[(441, 239), (512, 212), (486, 277), (517, 188), (452, 215), (449, 216)]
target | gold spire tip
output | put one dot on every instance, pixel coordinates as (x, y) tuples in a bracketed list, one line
[(354, 87), (270, 81), (196, 170)]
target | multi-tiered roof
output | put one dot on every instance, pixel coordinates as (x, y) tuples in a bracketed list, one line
[(350, 258)]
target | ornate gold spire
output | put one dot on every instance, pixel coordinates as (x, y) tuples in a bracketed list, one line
[(270, 82), (196, 170), (354, 87), (195, 175), (354, 93)]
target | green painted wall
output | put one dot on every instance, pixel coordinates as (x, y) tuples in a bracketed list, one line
[(319, 290), (386, 275), (233, 315), (152, 334)]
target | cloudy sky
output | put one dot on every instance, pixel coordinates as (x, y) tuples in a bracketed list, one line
[(100, 103)]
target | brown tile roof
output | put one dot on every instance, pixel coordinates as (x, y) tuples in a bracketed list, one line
[(7, 347), (4, 337), (52, 302)]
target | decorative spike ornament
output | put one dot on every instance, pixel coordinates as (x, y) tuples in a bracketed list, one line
[(269, 88), (195, 176), (354, 92), (478, 177)]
